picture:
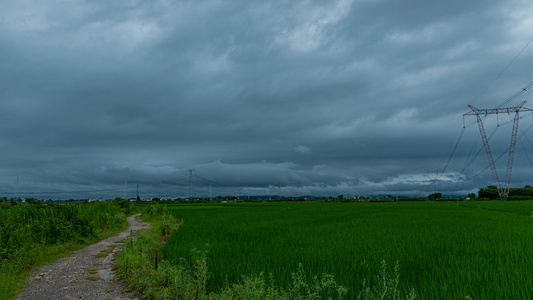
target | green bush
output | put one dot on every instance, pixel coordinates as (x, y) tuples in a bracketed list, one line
[(435, 196)]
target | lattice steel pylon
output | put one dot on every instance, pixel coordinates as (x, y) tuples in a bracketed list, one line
[(191, 173), (503, 192), (433, 176)]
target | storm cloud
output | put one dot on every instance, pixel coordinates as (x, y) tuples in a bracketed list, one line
[(258, 97)]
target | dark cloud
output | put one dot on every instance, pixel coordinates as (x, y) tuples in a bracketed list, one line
[(291, 97)]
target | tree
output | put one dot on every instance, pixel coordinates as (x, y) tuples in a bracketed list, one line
[(435, 196), (490, 192), (32, 200)]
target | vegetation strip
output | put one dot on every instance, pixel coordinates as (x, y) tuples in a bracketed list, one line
[(288, 250)]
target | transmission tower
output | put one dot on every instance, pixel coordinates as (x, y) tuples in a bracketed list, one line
[(420, 192), (433, 176), (503, 192), (191, 173)]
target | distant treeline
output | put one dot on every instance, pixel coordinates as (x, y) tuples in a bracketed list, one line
[(491, 192)]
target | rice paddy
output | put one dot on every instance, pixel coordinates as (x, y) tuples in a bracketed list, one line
[(445, 250)]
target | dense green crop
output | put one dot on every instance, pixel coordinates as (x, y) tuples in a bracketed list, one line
[(444, 250)]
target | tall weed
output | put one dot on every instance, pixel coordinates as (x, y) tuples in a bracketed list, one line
[(388, 286)]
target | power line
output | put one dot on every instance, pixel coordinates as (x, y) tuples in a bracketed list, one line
[(453, 151), (517, 94), (500, 74), (226, 187)]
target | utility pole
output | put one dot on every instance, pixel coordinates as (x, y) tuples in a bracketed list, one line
[(125, 185), (503, 192), (17, 198), (191, 173), (137, 192)]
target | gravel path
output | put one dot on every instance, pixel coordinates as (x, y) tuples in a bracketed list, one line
[(86, 274)]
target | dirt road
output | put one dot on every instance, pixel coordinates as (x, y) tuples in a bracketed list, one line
[(84, 275)]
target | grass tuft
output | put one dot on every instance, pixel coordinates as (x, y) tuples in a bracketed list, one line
[(93, 278)]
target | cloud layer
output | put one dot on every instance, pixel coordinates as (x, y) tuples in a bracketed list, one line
[(291, 97)]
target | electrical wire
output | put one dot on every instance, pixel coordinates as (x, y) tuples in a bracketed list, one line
[(225, 187), (501, 73), (453, 151)]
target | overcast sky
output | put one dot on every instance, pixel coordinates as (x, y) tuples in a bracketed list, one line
[(258, 97)]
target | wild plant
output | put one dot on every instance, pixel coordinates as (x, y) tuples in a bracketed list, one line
[(319, 288), (387, 287)]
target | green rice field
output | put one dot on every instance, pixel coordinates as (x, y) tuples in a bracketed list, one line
[(445, 250)]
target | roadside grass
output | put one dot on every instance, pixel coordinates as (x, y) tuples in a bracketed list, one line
[(35, 234)]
